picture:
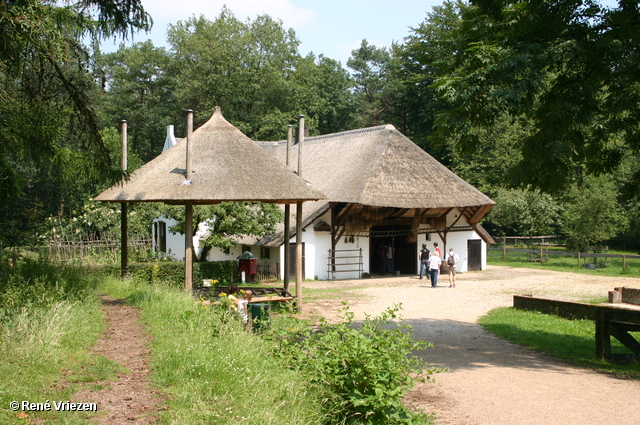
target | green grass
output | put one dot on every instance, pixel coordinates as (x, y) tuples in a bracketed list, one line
[(570, 340), (212, 370), (567, 264), (45, 356)]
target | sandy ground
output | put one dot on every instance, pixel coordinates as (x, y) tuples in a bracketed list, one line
[(129, 398), (491, 381)]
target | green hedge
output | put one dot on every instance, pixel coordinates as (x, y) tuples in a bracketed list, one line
[(172, 272)]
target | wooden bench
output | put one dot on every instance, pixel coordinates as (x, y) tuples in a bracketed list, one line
[(617, 323), (611, 320)]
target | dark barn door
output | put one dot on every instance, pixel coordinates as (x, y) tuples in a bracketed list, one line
[(405, 253), (474, 254), (292, 261)]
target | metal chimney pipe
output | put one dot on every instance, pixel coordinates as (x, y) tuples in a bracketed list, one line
[(123, 161), (300, 140), (189, 143)]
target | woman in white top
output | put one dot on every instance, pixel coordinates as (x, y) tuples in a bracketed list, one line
[(434, 268)]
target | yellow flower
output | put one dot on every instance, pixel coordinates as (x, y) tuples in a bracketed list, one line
[(222, 294)]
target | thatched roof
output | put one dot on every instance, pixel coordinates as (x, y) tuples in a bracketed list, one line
[(227, 166), (379, 167)]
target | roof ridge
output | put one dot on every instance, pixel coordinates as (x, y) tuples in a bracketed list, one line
[(339, 134)]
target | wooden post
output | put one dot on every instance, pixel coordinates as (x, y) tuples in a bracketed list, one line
[(504, 249), (578, 258), (603, 340), (299, 222), (188, 247), (541, 253), (188, 236), (124, 211), (287, 217), (624, 262)]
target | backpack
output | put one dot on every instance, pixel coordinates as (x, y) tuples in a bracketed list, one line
[(451, 260)]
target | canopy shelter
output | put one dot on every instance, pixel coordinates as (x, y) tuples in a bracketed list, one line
[(213, 164)]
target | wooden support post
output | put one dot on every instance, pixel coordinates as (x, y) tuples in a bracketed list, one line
[(299, 222), (603, 341), (624, 262), (124, 211), (287, 218), (188, 248), (578, 258), (188, 237)]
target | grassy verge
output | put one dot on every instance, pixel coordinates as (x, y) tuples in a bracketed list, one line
[(50, 318), (211, 369), (569, 340), (566, 264)]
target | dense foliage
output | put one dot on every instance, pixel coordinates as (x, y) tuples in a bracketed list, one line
[(511, 105)]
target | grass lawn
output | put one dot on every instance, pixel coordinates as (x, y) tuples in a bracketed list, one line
[(569, 340)]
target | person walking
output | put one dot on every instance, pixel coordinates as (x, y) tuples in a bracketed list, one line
[(424, 260), (390, 258), (382, 258), (452, 260), (434, 268)]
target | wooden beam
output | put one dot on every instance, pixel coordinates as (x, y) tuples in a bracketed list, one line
[(475, 218), (399, 213)]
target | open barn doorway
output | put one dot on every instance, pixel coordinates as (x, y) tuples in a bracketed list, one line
[(404, 258)]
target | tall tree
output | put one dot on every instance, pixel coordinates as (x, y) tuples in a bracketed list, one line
[(49, 131), (373, 71), (570, 67), (592, 212), (140, 87)]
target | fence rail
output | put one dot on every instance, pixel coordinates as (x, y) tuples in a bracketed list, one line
[(66, 251), (542, 254)]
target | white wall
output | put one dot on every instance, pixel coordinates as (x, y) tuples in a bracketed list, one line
[(317, 246)]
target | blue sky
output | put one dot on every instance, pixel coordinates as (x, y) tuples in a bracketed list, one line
[(330, 27)]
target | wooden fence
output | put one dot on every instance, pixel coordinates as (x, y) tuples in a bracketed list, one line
[(542, 255), (105, 250)]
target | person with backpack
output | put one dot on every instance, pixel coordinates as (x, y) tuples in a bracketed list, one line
[(452, 260), (424, 261)]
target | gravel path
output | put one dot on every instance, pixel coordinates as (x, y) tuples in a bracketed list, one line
[(491, 381)]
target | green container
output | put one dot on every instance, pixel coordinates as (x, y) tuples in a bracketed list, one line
[(260, 315)]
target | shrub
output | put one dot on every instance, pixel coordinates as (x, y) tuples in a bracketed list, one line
[(366, 371), (172, 272)]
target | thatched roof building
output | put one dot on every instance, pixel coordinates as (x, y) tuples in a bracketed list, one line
[(376, 175), (226, 166)]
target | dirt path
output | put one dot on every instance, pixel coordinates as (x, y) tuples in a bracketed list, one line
[(491, 381), (130, 399)]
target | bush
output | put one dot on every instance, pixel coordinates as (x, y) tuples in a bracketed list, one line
[(172, 272), (366, 371)]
